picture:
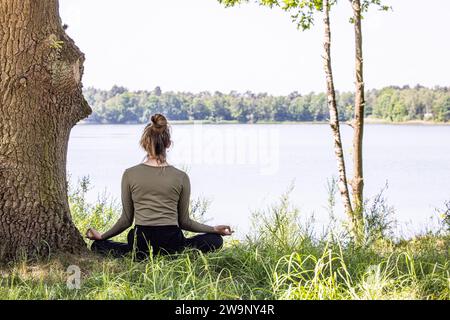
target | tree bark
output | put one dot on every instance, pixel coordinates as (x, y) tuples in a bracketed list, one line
[(334, 118), (358, 124), (40, 101)]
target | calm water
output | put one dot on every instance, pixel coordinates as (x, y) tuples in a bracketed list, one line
[(243, 168)]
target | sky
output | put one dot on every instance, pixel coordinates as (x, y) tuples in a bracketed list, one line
[(198, 45)]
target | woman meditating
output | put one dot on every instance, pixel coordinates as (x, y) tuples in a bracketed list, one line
[(156, 196)]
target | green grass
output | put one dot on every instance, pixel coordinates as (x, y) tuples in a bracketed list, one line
[(280, 259)]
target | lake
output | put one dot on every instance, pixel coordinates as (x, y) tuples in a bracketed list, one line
[(244, 168)]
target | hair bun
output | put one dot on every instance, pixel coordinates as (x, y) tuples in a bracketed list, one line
[(156, 138), (159, 121)]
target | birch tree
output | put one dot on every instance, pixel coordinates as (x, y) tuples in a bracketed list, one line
[(302, 13)]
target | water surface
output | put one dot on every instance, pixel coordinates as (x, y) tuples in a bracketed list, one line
[(243, 168)]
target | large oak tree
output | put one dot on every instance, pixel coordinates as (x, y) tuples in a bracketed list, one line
[(40, 101)]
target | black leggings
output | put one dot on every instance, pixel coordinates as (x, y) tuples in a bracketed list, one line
[(162, 239)]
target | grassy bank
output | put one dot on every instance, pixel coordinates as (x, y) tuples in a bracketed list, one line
[(281, 259)]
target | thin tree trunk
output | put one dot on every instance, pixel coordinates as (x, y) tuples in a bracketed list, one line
[(40, 101), (334, 117), (358, 124)]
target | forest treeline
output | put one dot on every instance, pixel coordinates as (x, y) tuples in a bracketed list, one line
[(119, 105)]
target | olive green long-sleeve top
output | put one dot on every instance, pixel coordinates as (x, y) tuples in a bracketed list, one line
[(155, 196)]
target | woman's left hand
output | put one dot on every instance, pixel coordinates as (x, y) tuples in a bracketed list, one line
[(223, 230), (93, 234)]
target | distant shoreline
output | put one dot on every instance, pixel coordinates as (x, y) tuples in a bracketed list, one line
[(209, 122)]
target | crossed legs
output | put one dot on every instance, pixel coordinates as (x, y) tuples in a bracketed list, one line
[(204, 242)]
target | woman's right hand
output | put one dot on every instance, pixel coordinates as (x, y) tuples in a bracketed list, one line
[(223, 230), (93, 234)]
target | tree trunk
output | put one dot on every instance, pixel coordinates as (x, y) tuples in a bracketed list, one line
[(358, 124), (40, 101), (334, 118)]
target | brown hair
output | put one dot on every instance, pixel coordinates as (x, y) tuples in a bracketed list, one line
[(156, 138)]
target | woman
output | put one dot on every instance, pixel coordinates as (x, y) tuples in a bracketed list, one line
[(156, 196)]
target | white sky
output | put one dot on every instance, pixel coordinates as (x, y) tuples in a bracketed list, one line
[(196, 45)]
